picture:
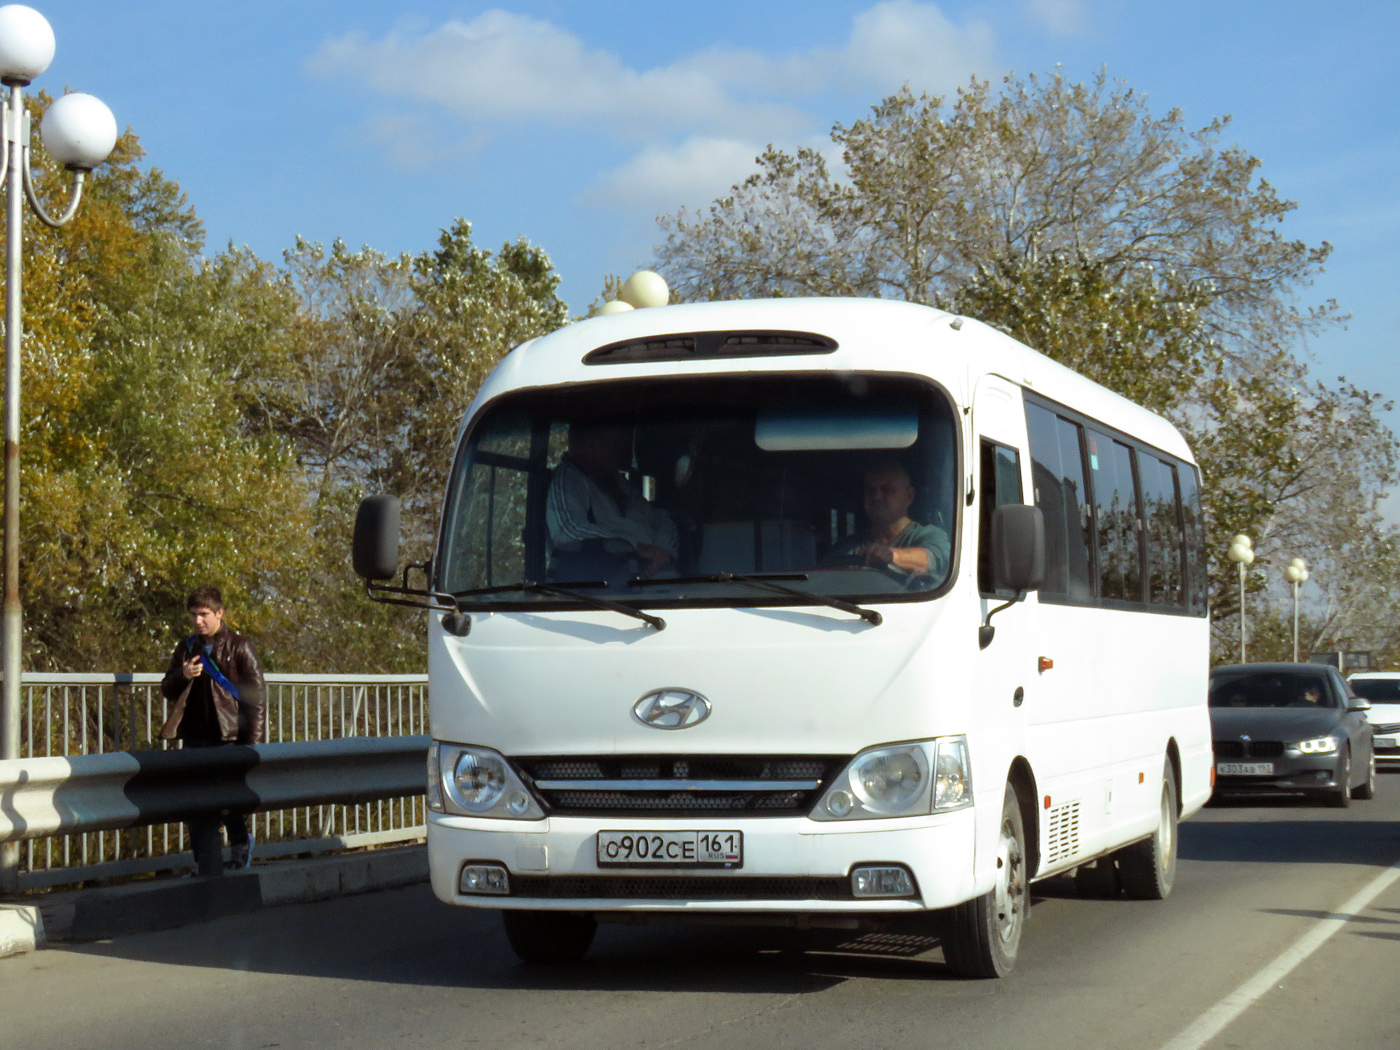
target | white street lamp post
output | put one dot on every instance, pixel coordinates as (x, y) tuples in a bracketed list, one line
[(79, 133), (1241, 552), (1297, 574)]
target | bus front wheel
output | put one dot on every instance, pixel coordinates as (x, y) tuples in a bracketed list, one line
[(549, 938), (982, 936)]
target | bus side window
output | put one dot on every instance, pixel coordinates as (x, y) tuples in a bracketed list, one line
[(1000, 484), (1165, 532), (1116, 516), (1197, 582), (1057, 472)]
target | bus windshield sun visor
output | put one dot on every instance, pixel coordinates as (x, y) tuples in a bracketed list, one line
[(562, 592), (767, 583)]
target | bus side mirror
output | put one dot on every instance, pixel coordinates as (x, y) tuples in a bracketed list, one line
[(1018, 548), (374, 551)]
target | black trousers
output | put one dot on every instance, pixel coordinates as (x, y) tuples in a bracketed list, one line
[(204, 831)]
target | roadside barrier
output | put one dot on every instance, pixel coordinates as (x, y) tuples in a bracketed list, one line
[(40, 797), (67, 717)]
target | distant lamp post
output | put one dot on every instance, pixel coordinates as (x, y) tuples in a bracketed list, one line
[(79, 133), (1241, 552), (1297, 574)]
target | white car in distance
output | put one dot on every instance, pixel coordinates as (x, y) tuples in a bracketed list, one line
[(1382, 690)]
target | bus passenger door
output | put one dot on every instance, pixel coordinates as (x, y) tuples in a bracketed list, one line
[(1006, 669)]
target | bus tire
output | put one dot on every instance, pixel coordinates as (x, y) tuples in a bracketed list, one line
[(1148, 868), (549, 938), (981, 937)]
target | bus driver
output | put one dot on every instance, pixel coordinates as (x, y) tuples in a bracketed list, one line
[(895, 540), (600, 526)]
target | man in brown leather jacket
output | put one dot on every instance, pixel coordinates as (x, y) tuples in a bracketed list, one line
[(215, 677)]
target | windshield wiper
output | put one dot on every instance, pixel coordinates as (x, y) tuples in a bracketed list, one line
[(563, 592), (767, 581)]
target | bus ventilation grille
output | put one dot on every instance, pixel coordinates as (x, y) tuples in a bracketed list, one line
[(1062, 837), (681, 887), (707, 346)]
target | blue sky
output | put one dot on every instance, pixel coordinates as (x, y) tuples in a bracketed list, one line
[(380, 122)]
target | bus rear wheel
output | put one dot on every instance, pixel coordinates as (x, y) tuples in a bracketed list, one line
[(549, 938), (982, 936), (1148, 868)]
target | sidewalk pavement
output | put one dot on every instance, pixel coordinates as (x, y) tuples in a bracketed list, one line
[(161, 904)]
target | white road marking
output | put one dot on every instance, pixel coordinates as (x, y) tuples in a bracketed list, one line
[(1213, 1021)]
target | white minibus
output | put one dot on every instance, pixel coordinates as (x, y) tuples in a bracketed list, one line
[(821, 612)]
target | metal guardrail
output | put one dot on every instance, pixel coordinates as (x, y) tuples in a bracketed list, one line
[(65, 716), (46, 796)]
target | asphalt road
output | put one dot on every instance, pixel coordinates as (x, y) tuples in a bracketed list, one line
[(398, 969)]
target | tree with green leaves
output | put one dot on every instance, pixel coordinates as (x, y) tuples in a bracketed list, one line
[(145, 465), (1133, 248), (390, 352)]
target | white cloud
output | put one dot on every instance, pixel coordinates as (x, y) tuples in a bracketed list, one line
[(1065, 17), (504, 68), (507, 68), (661, 178), (697, 122), (904, 41)]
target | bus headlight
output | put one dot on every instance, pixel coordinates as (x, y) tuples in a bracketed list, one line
[(890, 780), (477, 782)]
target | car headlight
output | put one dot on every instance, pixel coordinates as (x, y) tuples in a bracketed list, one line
[(1323, 745), (900, 780), (477, 782)]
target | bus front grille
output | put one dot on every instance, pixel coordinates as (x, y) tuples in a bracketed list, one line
[(677, 785)]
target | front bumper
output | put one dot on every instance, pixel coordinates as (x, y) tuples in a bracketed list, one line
[(1291, 774), (792, 865)]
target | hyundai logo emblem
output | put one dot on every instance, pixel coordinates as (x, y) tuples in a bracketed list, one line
[(671, 709)]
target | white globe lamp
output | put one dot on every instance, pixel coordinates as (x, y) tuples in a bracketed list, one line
[(26, 44), (645, 288), (615, 306), (79, 131)]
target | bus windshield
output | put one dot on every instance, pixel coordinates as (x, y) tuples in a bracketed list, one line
[(660, 491)]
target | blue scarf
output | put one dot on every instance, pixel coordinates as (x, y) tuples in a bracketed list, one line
[(194, 645)]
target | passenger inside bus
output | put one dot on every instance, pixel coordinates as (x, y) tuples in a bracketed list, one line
[(600, 526), (893, 540)]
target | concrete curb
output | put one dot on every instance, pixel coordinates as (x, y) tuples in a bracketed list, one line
[(21, 929), (143, 907)]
